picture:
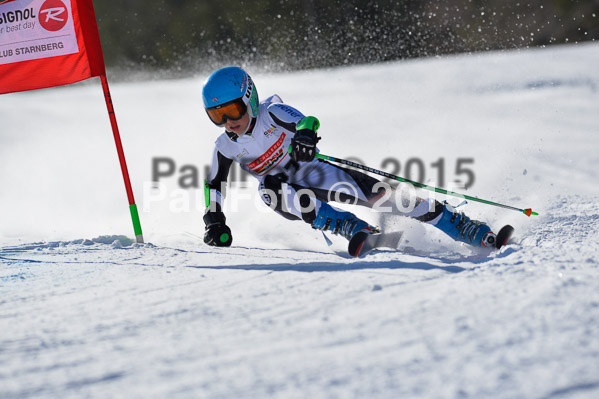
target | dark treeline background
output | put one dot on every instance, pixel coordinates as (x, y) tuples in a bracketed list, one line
[(188, 36)]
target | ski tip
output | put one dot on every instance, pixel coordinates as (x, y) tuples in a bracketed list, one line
[(356, 244), (504, 235)]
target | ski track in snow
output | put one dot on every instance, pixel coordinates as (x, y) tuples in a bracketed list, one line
[(279, 314)]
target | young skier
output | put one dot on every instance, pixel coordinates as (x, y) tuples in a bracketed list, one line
[(277, 144)]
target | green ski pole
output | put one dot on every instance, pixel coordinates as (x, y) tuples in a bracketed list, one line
[(528, 211), (224, 236)]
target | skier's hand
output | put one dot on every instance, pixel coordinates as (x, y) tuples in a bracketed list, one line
[(303, 144), (217, 233)]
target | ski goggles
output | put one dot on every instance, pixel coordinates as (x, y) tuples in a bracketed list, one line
[(233, 110)]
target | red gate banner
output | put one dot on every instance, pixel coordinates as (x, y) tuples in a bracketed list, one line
[(46, 43)]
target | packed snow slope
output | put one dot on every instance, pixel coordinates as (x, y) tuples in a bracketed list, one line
[(86, 313)]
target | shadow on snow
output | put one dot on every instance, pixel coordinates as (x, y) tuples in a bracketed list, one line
[(310, 267)]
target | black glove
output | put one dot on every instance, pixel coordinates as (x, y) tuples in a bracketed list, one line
[(303, 144), (217, 233)]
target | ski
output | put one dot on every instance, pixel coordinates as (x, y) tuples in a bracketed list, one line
[(363, 242), (504, 236)]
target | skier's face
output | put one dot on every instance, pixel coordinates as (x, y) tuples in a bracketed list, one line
[(240, 126)]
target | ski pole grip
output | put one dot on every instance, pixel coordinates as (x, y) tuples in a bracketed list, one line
[(309, 122), (206, 193)]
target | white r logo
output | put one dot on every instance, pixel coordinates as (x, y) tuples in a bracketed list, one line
[(52, 13)]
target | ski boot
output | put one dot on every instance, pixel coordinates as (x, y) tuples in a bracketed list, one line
[(344, 223), (461, 228)]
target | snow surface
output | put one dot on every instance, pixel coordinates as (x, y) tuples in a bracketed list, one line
[(85, 313)]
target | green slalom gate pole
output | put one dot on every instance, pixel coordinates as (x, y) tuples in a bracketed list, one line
[(528, 211)]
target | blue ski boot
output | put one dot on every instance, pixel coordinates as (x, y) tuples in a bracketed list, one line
[(344, 223), (461, 228)]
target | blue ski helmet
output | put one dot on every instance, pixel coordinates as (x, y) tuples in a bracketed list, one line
[(229, 84)]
